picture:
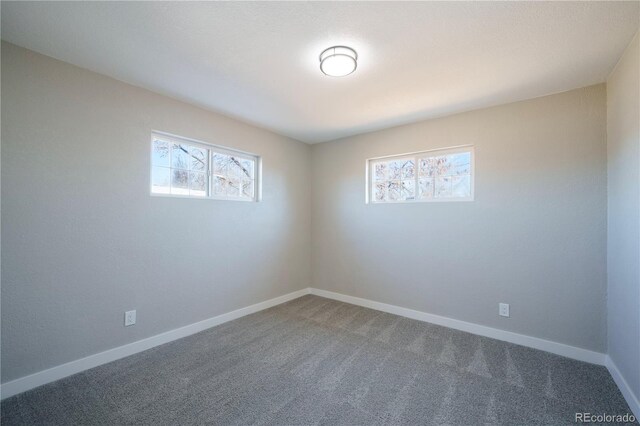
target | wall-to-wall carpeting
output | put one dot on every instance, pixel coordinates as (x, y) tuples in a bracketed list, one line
[(318, 361)]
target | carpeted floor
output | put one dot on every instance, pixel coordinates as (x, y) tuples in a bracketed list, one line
[(318, 361)]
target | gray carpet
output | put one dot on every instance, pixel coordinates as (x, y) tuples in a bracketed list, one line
[(318, 361)]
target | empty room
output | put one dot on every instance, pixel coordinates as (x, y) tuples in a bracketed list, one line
[(320, 213)]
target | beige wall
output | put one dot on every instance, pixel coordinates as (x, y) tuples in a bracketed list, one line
[(82, 239), (534, 237), (623, 231)]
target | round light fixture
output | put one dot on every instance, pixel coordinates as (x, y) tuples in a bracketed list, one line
[(338, 61)]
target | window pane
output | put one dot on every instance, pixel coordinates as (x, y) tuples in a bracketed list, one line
[(443, 187), (219, 185), (461, 186), (426, 188), (233, 187), (461, 163), (443, 165), (220, 162), (160, 153), (248, 166), (180, 182), (380, 171), (393, 191), (427, 167), (408, 169), (198, 184), (199, 159), (247, 188), (408, 189), (380, 191), (160, 180), (235, 169), (180, 156), (395, 169)]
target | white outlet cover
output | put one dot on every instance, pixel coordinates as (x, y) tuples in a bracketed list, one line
[(129, 318), (503, 309)]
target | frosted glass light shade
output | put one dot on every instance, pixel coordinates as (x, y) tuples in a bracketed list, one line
[(338, 61)]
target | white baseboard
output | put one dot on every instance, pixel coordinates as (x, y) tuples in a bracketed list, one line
[(495, 333), (55, 373), (624, 387)]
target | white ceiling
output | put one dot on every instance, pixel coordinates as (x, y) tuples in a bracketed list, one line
[(259, 61)]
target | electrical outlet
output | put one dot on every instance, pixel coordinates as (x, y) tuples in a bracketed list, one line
[(129, 318), (503, 309)]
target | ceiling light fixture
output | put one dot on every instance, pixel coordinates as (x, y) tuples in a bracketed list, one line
[(338, 61)]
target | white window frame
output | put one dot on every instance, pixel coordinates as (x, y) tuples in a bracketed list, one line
[(211, 148), (369, 178)]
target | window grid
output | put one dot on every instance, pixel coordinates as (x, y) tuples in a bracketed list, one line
[(185, 168), (428, 176)]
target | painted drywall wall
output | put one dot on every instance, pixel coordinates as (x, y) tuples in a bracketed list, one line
[(83, 241), (535, 236), (623, 229)]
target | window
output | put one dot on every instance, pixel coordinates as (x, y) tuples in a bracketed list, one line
[(182, 167), (438, 175)]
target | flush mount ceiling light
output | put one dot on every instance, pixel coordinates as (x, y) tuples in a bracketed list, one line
[(338, 61)]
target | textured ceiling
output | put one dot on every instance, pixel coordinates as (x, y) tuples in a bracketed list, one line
[(259, 61)]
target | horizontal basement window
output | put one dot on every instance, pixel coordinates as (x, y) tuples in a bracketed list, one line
[(436, 175), (183, 167)]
